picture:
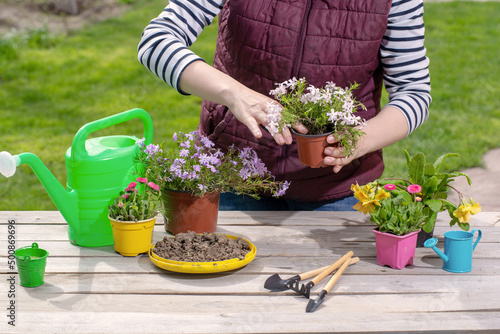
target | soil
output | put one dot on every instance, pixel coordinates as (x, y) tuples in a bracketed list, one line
[(206, 247), (20, 16)]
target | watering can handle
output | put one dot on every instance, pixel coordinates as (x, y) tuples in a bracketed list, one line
[(78, 147), (479, 234)]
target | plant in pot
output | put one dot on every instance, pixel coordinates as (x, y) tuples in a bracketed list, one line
[(322, 111), (435, 186), (133, 216), (194, 173), (398, 213)]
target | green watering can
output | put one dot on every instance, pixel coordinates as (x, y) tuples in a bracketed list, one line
[(98, 169)]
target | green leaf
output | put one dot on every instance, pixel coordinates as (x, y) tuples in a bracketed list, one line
[(442, 158), (430, 186), (416, 168), (429, 169), (434, 205)]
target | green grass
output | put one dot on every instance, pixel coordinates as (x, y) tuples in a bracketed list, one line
[(51, 85)]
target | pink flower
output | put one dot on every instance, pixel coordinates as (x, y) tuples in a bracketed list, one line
[(154, 186), (131, 189), (132, 185), (142, 180), (418, 199), (120, 204), (414, 189), (125, 196), (390, 187)]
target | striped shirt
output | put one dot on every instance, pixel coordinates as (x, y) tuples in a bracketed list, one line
[(164, 50)]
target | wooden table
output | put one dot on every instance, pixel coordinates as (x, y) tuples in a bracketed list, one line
[(95, 290)]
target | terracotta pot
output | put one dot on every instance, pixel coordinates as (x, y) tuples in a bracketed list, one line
[(132, 238), (395, 251), (311, 148), (185, 212)]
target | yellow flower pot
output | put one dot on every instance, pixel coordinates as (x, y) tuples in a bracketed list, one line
[(132, 238)]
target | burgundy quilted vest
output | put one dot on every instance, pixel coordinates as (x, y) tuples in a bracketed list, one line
[(263, 42)]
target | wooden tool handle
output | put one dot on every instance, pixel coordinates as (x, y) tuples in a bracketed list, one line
[(336, 276), (332, 267), (315, 272)]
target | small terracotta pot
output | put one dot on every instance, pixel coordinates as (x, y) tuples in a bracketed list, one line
[(311, 148), (185, 212)]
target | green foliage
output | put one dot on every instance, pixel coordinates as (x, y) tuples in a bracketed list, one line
[(139, 201), (399, 214), (434, 187)]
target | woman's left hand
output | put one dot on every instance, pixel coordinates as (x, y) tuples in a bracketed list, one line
[(335, 155)]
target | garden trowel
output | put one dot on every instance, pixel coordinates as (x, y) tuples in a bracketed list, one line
[(315, 303)]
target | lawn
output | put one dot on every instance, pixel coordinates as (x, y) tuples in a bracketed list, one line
[(51, 85)]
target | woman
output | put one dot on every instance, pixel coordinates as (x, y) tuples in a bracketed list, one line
[(263, 42)]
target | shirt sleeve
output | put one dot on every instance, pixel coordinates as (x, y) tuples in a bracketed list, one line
[(406, 65), (164, 45)]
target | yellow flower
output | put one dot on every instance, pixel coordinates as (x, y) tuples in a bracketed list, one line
[(464, 211), (367, 198)]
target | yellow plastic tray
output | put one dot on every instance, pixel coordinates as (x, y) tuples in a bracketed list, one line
[(204, 267)]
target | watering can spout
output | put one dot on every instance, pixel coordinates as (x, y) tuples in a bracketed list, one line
[(65, 201), (431, 243)]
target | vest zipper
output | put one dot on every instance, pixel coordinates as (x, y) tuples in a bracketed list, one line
[(295, 73), (303, 28)]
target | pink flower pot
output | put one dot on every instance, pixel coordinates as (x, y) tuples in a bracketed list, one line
[(395, 251)]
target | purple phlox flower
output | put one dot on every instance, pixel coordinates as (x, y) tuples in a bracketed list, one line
[(191, 135), (196, 168), (140, 142), (184, 152), (152, 149), (154, 186), (204, 159), (282, 189), (202, 187), (245, 173), (174, 137), (185, 144), (142, 180), (213, 169), (218, 153), (206, 142)]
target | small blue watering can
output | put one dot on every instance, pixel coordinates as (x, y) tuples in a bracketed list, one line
[(458, 248)]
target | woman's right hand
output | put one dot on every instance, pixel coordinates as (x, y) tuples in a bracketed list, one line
[(247, 105)]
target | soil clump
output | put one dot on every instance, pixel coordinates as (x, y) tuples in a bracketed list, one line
[(206, 247)]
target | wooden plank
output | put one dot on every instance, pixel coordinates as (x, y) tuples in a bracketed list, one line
[(253, 284), (277, 218), (110, 313), (291, 235), (260, 265)]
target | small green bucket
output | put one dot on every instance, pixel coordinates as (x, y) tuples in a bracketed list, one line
[(31, 262)]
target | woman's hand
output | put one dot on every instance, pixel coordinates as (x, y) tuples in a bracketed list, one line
[(247, 105), (388, 127)]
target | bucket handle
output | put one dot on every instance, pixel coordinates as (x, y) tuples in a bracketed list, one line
[(34, 245), (78, 146)]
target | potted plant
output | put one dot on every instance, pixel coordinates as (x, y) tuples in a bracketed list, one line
[(322, 111), (397, 211), (194, 173), (133, 216), (435, 186), (428, 186)]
